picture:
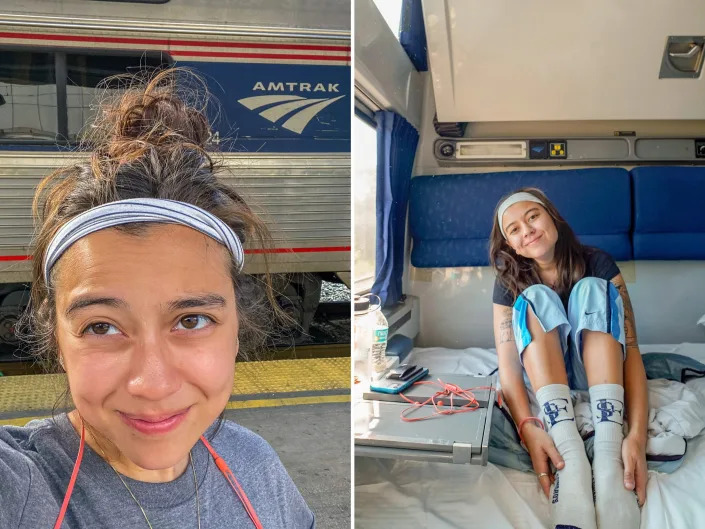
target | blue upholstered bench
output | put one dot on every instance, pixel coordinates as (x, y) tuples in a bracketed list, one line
[(450, 216), (669, 212)]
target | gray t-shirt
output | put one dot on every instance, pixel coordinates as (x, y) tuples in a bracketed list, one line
[(36, 463)]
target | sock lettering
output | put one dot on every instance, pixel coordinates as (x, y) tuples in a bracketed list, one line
[(552, 409), (555, 491), (607, 410)]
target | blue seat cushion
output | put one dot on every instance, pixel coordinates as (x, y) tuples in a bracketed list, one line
[(669, 216), (450, 216)]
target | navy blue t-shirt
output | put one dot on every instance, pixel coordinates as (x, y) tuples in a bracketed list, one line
[(597, 264)]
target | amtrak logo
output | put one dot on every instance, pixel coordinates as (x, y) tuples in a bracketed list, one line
[(552, 409), (607, 409), (295, 111)]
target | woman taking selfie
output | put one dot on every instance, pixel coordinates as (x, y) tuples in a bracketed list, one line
[(138, 296), (562, 314)]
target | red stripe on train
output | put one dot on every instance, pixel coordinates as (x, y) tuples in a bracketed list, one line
[(170, 42), (302, 250), (190, 53), (319, 249)]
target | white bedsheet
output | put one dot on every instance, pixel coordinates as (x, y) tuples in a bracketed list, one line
[(404, 494)]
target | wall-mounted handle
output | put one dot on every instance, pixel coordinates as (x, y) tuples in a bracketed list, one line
[(691, 54), (682, 57)]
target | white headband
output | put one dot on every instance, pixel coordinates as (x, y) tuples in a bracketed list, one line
[(141, 210), (510, 201)]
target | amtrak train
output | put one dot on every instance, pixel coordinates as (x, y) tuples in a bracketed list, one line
[(279, 79)]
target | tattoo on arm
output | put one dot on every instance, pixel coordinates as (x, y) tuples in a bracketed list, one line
[(629, 325), (506, 334)]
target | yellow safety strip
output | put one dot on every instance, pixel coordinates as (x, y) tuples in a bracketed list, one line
[(30, 394)]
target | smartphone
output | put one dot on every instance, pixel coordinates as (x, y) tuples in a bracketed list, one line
[(397, 385)]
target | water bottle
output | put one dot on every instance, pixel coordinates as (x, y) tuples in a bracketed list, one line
[(380, 331), (362, 344), (371, 331)]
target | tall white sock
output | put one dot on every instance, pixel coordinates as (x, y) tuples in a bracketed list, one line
[(571, 495), (616, 507)]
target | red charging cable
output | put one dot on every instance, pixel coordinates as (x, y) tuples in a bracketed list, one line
[(72, 481), (450, 391), (219, 461), (225, 469)]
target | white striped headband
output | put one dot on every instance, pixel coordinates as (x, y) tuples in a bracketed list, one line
[(141, 210), (522, 196)]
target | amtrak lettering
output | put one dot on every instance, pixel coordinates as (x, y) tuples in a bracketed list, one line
[(553, 408), (279, 108), (607, 410), (291, 87)]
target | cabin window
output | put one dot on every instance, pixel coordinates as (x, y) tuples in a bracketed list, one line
[(46, 97), (391, 12), (364, 207), (27, 96)]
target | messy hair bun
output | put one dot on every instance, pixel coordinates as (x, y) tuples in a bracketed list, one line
[(149, 140)]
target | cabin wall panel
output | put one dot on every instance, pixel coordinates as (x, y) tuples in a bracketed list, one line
[(456, 303)]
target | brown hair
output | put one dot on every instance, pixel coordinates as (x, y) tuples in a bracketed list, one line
[(148, 141), (517, 273)]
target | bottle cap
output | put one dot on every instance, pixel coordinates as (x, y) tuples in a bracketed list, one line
[(362, 304)]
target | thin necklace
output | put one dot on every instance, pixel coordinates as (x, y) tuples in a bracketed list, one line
[(195, 483)]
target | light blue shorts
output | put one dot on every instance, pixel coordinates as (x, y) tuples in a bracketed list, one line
[(594, 305)]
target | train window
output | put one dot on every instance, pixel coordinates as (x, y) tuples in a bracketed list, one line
[(391, 12), (364, 184), (28, 109), (84, 75)]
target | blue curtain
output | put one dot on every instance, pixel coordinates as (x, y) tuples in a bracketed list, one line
[(412, 34), (396, 147)]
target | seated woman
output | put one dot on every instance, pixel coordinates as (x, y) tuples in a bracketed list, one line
[(138, 296), (562, 313)]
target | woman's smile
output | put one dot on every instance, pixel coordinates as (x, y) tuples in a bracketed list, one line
[(534, 240), (154, 425)]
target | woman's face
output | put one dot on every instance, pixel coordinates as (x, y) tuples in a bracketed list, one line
[(530, 230), (147, 329)]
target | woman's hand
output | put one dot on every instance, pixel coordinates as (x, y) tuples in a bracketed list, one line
[(541, 449), (635, 471)]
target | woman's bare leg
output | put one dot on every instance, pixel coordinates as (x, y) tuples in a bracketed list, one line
[(603, 359), (571, 494), (543, 357)]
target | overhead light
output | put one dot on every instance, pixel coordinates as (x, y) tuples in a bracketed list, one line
[(466, 150)]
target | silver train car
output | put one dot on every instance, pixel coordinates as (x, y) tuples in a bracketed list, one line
[(279, 74)]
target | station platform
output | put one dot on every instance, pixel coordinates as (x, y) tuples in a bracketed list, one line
[(301, 407)]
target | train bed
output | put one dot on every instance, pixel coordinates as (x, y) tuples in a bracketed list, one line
[(442, 496)]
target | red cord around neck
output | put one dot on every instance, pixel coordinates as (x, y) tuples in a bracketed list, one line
[(219, 461), (72, 481), (225, 469)]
